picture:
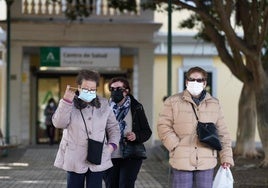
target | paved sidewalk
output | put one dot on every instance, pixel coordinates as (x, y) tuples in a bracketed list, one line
[(32, 167)]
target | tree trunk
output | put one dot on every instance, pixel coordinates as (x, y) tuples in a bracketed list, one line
[(262, 111), (245, 135)]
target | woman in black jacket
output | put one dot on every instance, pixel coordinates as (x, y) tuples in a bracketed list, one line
[(134, 129), (48, 112)]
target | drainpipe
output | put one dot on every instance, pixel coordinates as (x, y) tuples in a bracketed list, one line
[(169, 55), (9, 3)]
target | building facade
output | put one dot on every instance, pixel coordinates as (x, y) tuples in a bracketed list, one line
[(123, 39), (135, 46)]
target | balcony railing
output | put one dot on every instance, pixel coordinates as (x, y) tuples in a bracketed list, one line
[(51, 8)]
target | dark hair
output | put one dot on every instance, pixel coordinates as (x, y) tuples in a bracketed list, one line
[(51, 100), (164, 98), (87, 75), (197, 69), (120, 79)]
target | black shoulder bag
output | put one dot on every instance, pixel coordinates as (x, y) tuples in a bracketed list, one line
[(94, 150), (133, 150), (207, 133)]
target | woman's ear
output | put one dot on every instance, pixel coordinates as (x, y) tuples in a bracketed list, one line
[(79, 88), (205, 84)]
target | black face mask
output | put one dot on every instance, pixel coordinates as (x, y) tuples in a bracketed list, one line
[(117, 96)]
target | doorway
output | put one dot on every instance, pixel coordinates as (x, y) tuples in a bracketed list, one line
[(47, 88)]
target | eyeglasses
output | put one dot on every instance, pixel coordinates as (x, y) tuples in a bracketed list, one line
[(92, 91), (197, 80), (116, 89)]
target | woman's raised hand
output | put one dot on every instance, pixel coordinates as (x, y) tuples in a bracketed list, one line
[(69, 94)]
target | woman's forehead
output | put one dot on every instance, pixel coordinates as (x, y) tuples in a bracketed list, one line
[(117, 84), (89, 83), (196, 74)]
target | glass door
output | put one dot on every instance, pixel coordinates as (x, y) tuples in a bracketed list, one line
[(47, 89)]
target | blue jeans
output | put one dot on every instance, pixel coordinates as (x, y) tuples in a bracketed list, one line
[(123, 174), (93, 179)]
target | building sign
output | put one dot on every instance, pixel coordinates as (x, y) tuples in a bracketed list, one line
[(82, 57), (50, 56), (90, 57)]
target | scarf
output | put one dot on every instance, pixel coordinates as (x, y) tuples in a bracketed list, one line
[(120, 113), (199, 99)]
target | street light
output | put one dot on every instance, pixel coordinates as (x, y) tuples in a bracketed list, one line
[(169, 56), (8, 4)]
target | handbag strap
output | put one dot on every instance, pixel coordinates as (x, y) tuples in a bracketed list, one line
[(84, 122), (194, 112), (86, 125)]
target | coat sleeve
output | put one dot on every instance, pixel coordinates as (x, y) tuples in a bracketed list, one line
[(226, 154), (165, 127), (62, 115), (112, 128), (144, 132)]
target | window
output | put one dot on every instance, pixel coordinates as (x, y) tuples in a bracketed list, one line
[(206, 64)]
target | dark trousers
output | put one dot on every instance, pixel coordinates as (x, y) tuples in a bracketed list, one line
[(93, 179), (123, 174), (51, 133)]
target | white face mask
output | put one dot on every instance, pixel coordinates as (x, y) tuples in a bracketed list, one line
[(195, 88)]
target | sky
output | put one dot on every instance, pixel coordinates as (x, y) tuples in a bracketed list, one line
[(2, 10), (2, 17)]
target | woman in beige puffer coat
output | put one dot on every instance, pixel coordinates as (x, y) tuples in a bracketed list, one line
[(193, 162)]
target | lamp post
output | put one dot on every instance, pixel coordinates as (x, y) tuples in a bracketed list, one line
[(169, 52), (9, 3)]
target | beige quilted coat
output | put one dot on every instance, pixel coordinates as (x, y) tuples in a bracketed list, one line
[(177, 130)]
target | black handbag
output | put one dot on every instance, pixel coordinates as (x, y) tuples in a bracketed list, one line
[(133, 150), (94, 148), (208, 133), (94, 151)]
